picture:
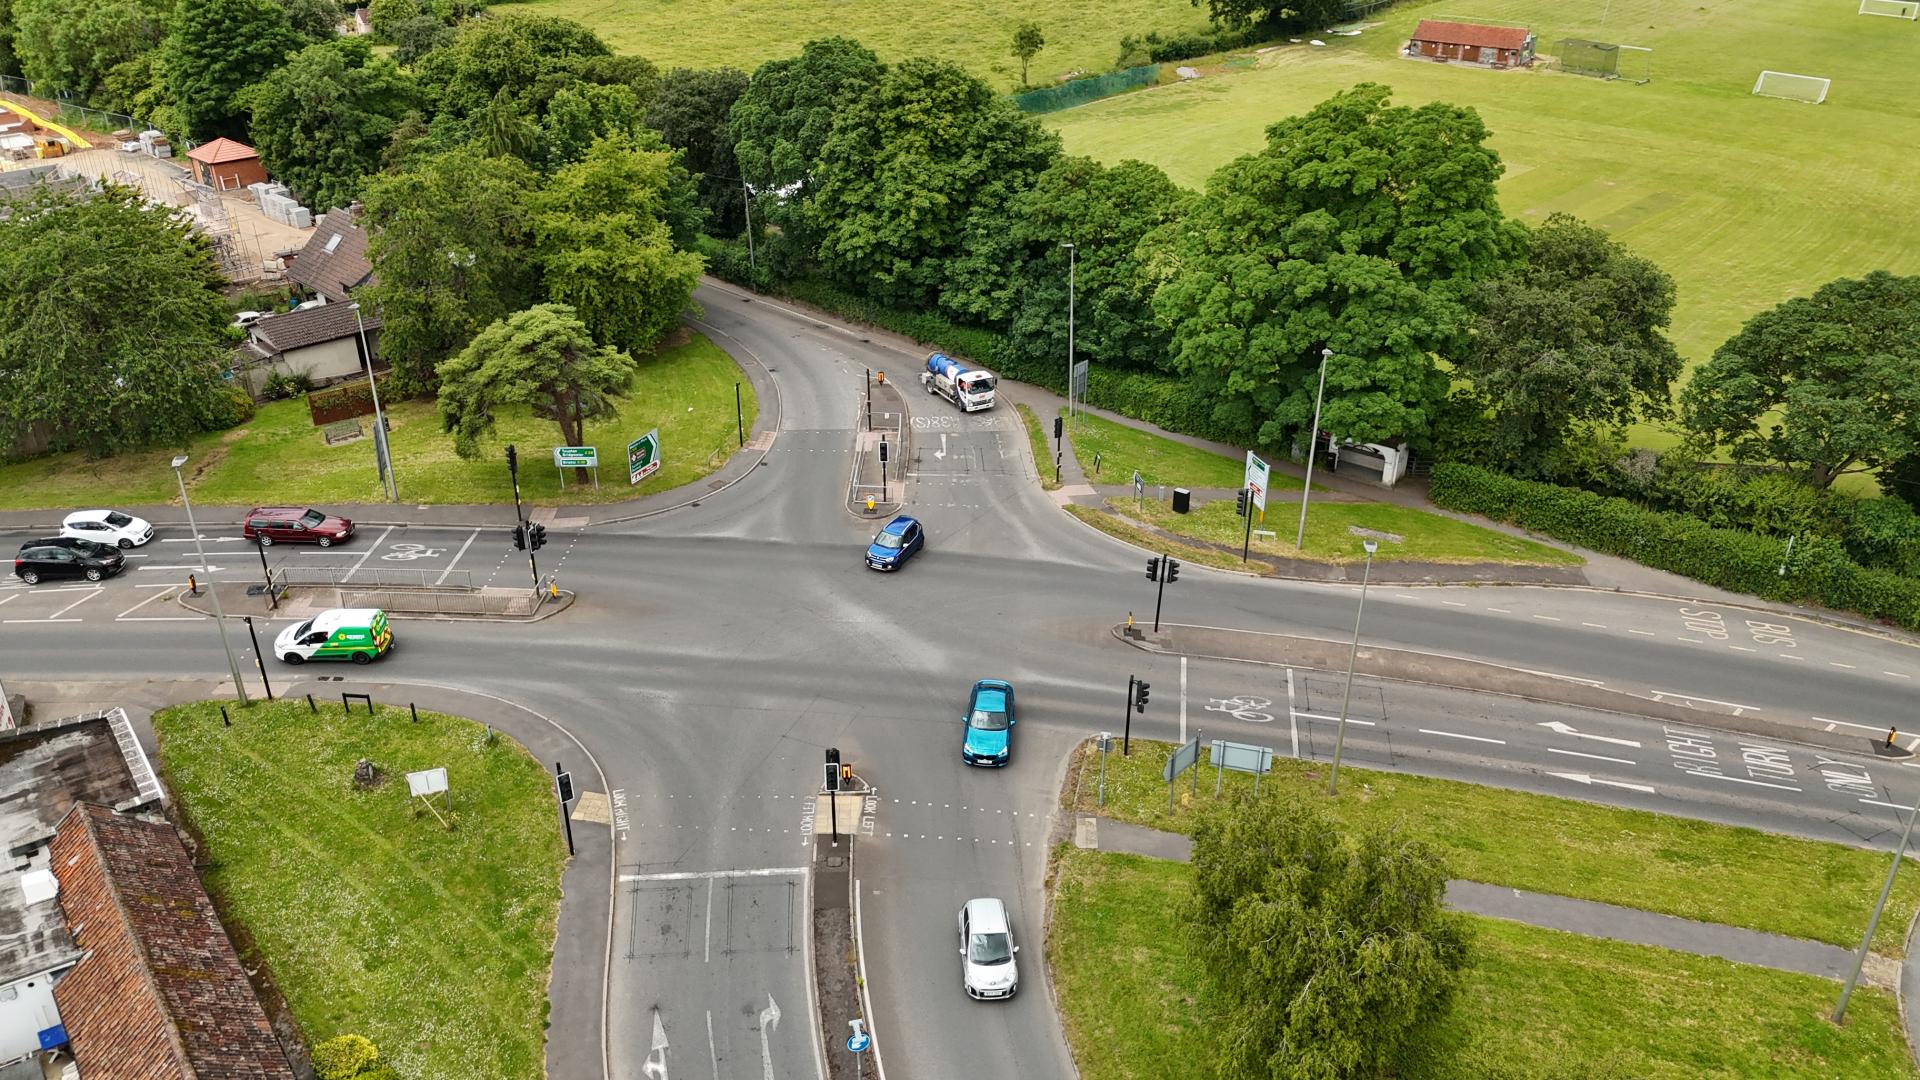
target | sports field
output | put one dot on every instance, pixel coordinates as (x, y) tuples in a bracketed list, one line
[(1744, 200)]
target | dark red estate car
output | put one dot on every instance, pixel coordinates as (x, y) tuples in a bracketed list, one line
[(295, 525)]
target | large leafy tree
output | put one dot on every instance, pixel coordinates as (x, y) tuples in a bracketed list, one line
[(605, 246), (115, 327), (578, 115), (911, 164), (692, 112), (1825, 385), (1356, 229), (780, 125), (316, 20), (452, 250), (1281, 16), (529, 57), (73, 44), (1330, 955), (1570, 337), (321, 122), (214, 50), (1027, 43), (542, 357)]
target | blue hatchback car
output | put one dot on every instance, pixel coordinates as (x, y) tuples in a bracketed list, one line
[(899, 541), (989, 720)]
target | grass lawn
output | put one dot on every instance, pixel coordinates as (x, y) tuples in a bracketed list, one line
[(1535, 1003), (1746, 201), (1193, 553), (976, 34), (371, 917), (279, 456), (1672, 865), (1160, 460), (1424, 537), (1038, 437)]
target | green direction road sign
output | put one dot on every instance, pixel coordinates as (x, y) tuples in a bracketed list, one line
[(643, 456), (1256, 481), (576, 457)]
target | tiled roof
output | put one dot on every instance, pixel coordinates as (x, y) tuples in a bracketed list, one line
[(160, 991), (222, 150), (1472, 34), (335, 258), (314, 326)]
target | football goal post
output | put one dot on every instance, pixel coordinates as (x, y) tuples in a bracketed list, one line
[(1781, 84), (1606, 60), (1897, 9)]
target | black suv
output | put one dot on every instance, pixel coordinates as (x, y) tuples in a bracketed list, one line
[(66, 556)]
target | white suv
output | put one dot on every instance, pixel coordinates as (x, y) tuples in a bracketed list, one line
[(987, 967)]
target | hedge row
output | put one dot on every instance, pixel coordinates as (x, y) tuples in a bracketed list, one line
[(1817, 571)]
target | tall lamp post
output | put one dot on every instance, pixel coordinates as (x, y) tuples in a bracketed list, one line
[(1340, 737), (382, 453), (1313, 440), (1071, 252), (1866, 942), (219, 619)]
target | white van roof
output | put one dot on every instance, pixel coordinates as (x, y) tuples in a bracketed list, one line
[(334, 618)]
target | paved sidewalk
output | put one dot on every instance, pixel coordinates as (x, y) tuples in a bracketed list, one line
[(1583, 917)]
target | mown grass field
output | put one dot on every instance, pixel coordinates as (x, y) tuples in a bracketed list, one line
[(280, 457), (1330, 537), (1746, 201), (1123, 450), (1673, 865), (371, 917), (1535, 1003)]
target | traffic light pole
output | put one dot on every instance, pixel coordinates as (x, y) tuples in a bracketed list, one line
[(1160, 593), (519, 520), (1246, 511), (1126, 731)]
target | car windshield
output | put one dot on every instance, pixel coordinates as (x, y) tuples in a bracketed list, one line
[(989, 949), (312, 518), (92, 547), (304, 627), (985, 720), (889, 540), (118, 520)]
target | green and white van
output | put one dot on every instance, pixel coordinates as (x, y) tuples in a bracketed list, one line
[(356, 634)]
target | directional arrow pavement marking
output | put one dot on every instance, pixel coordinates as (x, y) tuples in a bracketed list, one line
[(1584, 778), (1567, 729)]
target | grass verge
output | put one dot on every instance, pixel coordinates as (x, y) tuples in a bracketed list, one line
[(1672, 865), (685, 390), (1042, 455), (370, 916), (1159, 460), (1335, 531), (1199, 556), (1535, 1003)]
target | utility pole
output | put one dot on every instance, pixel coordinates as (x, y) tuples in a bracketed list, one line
[(1340, 736), (219, 617), (1313, 440), (1070, 283), (1866, 941)]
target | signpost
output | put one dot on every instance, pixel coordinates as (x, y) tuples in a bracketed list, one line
[(643, 456), (563, 787), (1139, 491), (1240, 757), (859, 1040), (1079, 391), (1257, 474), (577, 457), (427, 783), (1182, 760)]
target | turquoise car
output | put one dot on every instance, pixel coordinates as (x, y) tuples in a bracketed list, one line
[(989, 724)]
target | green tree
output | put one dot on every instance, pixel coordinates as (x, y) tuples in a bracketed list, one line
[(1571, 337), (1330, 956), (73, 44), (909, 162), (691, 112), (530, 57), (9, 61), (1825, 385), (780, 125), (451, 242), (1283, 16), (579, 115), (116, 327), (316, 20), (505, 132), (542, 357), (606, 249), (385, 16), (214, 50), (1027, 43), (1356, 229), (321, 121), (415, 37)]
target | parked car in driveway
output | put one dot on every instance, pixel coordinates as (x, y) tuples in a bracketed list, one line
[(66, 557), (295, 525), (109, 527), (900, 540), (988, 736), (987, 967)]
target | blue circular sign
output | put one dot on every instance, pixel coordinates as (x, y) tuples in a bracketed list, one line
[(859, 1041)]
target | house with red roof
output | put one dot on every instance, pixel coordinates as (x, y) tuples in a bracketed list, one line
[(1472, 43), (226, 165)]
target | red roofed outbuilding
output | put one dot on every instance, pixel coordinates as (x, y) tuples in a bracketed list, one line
[(1473, 43), (226, 165)]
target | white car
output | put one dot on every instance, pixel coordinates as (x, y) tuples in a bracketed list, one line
[(987, 967), (248, 318), (109, 527)]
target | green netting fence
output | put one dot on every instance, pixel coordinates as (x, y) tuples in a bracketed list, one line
[(1080, 91)]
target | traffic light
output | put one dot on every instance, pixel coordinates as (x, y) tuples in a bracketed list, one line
[(513, 459), (1140, 696), (1059, 427), (536, 536), (1240, 502), (520, 536), (1173, 569), (1153, 569), (833, 768)]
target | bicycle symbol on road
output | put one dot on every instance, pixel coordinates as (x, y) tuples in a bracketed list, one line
[(1243, 707), (410, 552)]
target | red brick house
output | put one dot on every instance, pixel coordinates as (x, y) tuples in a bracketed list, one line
[(1473, 43), (226, 165), (158, 993)]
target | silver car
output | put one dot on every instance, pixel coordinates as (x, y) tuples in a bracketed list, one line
[(987, 967)]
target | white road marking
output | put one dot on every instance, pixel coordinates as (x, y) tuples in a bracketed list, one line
[(1183, 698), (1500, 610), (456, 558), (1334, 719), (75, 604), (182, 566), (1567, 729), (1595, 625), (1848, 723), (149, 600), (1457, 735), (371, 548), (1585, 778), (1742, 648), (1837, 663), (1293, 718), (1888, 805), (708, 948), (1661, 695), (1789, 656), (1744, 780), (657, 1070), (713, 1054), (16, 596), (1642, 633), (1453, 603), (1694, 640), (1596, 757), (1896, 674), (702, 875), (1406, 596), (1548, 618)]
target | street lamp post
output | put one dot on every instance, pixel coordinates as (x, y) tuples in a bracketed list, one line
[(1071, 252), (219, 619), (1313, 438), (1340, 737), (382, 453), (1866, 942)]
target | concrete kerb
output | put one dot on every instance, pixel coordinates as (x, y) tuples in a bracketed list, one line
[(304, 600), (1463, 673)]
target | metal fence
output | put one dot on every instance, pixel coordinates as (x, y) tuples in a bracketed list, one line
[(71, 111), (375, 578), (443, 602)]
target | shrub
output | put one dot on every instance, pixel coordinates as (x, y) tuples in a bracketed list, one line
[(345, 1057), (728, 260), (1152, 48), (280, 384)]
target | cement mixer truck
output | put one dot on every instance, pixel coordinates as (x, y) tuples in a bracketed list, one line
[(969, 387)]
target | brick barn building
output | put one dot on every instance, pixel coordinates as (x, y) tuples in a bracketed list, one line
[(1472, 43), (226, 165)]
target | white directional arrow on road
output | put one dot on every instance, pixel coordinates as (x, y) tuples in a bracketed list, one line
[(769, 1020), (1583, 778), (942, 455), (1567, 729), (656, 1063)]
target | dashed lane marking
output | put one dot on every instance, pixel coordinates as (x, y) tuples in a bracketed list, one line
[(1595, 625), (1453, 603), (1457, 735), (1897, 674), (1837, 663), (1500, 610), (1596, 757), (1643, 633), (1548, 618)]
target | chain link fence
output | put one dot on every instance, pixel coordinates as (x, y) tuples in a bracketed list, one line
[(1080, 91), (76, 114)]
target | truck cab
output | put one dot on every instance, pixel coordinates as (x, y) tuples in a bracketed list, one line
[(968, 387)]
